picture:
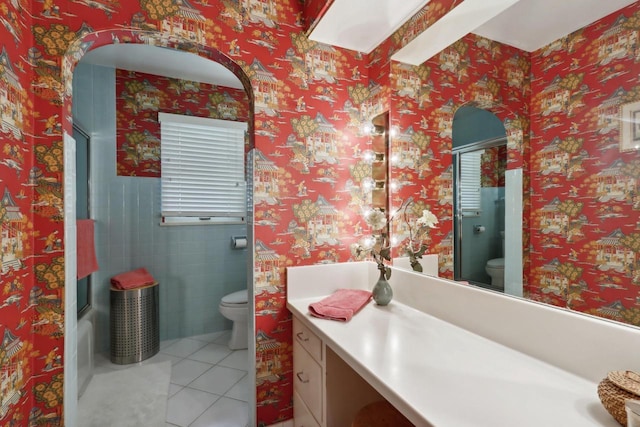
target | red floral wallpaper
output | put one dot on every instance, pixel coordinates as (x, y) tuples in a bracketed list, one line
[(307, 103), (493, 166), (139, 98), (585, 228)]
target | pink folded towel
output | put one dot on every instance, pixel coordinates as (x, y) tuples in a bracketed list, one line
[(86, 248), (341, 305), (132, 279)]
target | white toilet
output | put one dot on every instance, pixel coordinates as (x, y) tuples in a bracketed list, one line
[(235, 307), (495, 269)]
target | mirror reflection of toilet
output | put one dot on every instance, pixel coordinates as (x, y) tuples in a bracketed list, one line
[(235, 307), (495, 269)]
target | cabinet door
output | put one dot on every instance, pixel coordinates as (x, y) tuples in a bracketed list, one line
[(308, 340), (307, 380), (301, 415)]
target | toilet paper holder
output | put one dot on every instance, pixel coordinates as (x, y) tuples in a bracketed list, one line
[(477, 229), (238, 242)]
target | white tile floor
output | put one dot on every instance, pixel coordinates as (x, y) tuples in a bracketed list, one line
[(209, 383)]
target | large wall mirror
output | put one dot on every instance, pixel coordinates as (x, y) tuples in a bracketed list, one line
[(569, 159)]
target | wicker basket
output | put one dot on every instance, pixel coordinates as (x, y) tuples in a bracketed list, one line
[(615, 389)]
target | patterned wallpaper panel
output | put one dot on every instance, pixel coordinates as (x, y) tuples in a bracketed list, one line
[(139, 99), (493, 166), (585, 228)]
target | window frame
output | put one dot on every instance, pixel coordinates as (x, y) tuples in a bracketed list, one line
[(471, 183), (207, 213)]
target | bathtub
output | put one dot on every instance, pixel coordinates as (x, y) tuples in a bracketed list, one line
[(85, 352)]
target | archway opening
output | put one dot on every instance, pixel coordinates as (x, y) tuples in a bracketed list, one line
[(179, 49)]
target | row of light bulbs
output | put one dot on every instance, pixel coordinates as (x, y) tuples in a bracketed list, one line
[(369, 184), (369, 128)]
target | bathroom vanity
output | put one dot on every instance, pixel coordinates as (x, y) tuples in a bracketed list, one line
[(449, 355)]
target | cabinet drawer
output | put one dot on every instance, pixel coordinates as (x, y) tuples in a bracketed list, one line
[(307, 380), (307, 339), (301, 415)]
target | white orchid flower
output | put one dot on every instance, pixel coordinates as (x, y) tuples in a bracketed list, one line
[(428, 219), (357, 250), (376, 219)]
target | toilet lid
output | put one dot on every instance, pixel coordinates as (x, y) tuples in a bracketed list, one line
[(239, 297), (496, 263)]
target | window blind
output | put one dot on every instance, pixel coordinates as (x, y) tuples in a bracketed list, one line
[(202, 167), (470, 184)]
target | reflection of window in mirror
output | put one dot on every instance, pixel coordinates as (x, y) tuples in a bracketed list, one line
[(470, 183)]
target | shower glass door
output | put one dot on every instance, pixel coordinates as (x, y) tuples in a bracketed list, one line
[(479, 208), (82, 207)]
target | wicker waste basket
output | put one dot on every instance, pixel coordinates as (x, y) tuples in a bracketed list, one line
[(134, 322), (615, 389)]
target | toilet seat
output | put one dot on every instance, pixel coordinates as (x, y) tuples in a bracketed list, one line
[(236, 298), (496, 263)]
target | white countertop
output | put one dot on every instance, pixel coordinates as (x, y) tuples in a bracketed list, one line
[(441, 375)]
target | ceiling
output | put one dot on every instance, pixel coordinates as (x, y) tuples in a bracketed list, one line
[(162, 62), (525, 24), (361, 25), (533, 24)]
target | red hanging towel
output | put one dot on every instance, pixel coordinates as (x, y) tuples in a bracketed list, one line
[(85, 248)]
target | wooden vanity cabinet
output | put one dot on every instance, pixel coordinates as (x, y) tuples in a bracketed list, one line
[(327, 392), (308, 377)]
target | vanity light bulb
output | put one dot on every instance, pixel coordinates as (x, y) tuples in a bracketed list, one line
[(394, 240), (393, 185), (394, 159), (367, 128), (368, 156)]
